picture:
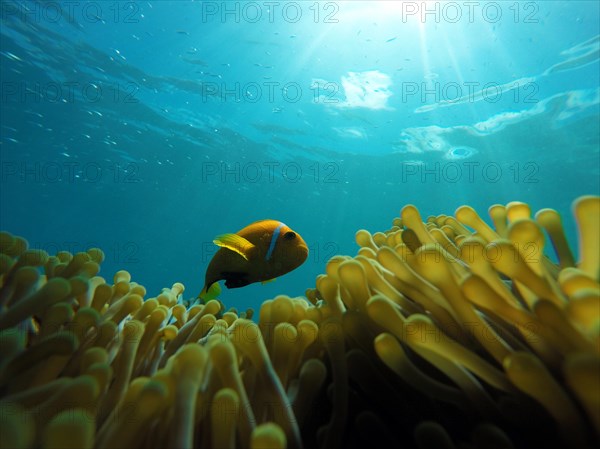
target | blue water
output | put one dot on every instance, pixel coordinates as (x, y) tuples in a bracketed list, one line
[(148, 128)]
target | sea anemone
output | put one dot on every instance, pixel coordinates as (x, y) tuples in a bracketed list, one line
[(438, 334)]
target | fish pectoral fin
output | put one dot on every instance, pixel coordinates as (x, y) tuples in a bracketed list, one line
[(235, 243), (268, 281)]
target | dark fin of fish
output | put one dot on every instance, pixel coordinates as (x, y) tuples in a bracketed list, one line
[(235, 279), (410, 239)]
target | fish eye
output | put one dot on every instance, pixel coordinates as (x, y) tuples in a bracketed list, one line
[(290, 235)]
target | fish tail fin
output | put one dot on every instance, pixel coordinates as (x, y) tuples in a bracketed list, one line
[(209, 292), (202, 295)]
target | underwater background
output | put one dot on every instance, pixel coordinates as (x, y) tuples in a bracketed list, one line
[(148, 128)]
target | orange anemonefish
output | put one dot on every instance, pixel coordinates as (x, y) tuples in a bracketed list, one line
[(260, 252)]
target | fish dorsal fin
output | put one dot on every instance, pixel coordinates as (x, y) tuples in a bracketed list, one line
[(235, 243)]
